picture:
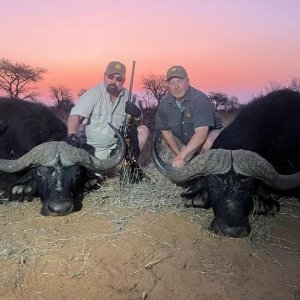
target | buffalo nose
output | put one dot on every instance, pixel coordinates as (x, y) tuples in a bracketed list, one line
[(57, 208), (236, 231), (232, 231)]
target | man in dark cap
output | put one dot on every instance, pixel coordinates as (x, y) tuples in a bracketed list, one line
[(107, 102), (187, 114)]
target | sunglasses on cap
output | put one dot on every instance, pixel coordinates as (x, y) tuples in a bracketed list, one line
[(118, 78)]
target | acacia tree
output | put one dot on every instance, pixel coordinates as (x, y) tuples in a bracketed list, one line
[(233, 104), (157, 86), (146, 99), (63, 98), (293, 84), (17, 79), (222, 102)]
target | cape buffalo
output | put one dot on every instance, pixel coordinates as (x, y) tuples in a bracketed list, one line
[(35, 158), (252, 158)]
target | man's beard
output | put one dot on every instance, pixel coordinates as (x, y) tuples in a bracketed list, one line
[(112, 89)]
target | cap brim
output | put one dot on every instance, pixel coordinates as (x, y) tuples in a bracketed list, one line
[(175, 76), (115, 73)]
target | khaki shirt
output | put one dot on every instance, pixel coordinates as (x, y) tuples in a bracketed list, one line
[(97, 108)]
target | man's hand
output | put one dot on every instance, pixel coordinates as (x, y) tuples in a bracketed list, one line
[(132, 109), (72, 140), (178, 162)]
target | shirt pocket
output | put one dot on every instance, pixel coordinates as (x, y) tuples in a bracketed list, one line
[(187, 131), (188, 127), (99, 120)]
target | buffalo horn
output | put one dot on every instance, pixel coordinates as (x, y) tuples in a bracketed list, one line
[(43, 154), (253, 165), (49, 153), (216, 161)]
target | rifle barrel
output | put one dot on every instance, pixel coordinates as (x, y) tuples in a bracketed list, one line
[(131, 81)]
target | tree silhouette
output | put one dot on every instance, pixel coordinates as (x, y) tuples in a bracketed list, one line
[(17, 79), (63, 101), (293, 84), (157, 86), (222, 102), (63, 97)]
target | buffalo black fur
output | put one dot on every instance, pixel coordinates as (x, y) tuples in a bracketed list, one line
[(269, 126), (25, 125)]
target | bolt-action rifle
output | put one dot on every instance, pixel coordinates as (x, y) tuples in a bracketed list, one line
[(131, 171)]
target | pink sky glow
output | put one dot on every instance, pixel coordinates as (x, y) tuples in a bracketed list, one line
[(233, 46)]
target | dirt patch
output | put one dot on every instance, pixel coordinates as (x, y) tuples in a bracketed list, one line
[(109, 251)]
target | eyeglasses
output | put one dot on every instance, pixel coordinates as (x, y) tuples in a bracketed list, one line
[(118, 78)]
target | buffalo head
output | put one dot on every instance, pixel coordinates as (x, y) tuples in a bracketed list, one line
[(230, 179), (54, 172)]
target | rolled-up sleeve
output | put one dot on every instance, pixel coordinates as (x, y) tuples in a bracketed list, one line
[(85, 105)]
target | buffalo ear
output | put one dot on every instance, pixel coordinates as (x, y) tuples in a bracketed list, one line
[(3, 125)]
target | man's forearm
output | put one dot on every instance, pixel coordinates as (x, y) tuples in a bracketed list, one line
[(170, 141), (195, 144), (73, 123)]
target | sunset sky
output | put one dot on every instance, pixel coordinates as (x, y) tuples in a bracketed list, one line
[(233, 46)]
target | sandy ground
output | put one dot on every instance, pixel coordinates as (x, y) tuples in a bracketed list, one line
[(108, 252)]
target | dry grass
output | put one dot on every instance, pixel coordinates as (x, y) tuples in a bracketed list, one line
[(119, 203), (156, 194), (37, 250)]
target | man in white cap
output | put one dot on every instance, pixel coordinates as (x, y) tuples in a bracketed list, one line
[(187, 114), (107, 102)]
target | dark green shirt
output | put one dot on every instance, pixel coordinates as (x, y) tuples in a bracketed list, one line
[(196, 111)]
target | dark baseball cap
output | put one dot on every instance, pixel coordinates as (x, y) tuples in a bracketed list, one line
[(176, 72), (116, 67)]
